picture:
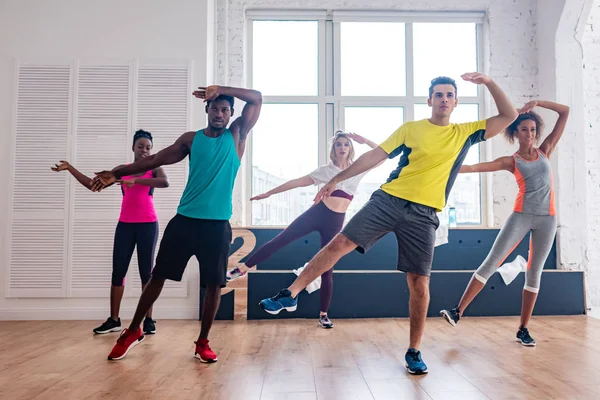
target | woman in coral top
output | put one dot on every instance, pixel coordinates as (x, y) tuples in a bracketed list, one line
[(534, 209)]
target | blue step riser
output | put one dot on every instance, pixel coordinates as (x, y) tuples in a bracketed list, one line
[(465, 250), (380, 295)]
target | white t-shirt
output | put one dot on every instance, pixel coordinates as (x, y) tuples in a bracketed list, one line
[(325, 173)]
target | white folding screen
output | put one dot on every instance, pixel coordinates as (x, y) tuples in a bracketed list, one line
[(61, 234), (38, 221)]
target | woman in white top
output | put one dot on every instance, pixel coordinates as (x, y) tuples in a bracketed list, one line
[(326, 217)]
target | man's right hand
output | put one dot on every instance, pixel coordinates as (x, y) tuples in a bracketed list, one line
[(325, 191), (260, 196), (102, 180)]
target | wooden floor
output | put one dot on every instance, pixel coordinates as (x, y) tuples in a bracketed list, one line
[(294, 359)]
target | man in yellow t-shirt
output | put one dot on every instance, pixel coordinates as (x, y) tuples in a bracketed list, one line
[(431, 153)]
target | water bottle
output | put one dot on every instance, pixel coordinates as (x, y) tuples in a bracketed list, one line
[(452, 217)]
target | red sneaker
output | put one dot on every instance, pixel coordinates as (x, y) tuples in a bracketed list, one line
[(126, 342), (204, 353)]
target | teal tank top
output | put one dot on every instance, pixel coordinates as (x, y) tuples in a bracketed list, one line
[(214, 163)]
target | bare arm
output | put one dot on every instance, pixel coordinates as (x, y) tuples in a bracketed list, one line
[(250, 113), (170, 155), (81, 178), (364, 163), (499, 164), (289, 185), (507, 113), (159, 179), (563, 115)]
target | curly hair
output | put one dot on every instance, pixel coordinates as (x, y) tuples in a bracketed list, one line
[(511, 131)]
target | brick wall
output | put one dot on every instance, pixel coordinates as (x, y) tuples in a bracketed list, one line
[(591, 76), (512, 59)]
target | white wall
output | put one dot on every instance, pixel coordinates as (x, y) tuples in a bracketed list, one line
[(591, 76), (512, 61), (68, 29)]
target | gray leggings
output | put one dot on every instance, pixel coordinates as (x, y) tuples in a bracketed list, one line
[(543, 229)]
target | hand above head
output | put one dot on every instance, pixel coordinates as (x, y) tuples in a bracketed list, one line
[(207, 93), (260, 197), (63, 166), (357, 138), (528, 107), (476, 77)]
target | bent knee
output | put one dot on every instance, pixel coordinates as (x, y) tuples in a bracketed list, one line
[(341, 244)]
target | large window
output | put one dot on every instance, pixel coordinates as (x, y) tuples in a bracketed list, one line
[(360, 72)]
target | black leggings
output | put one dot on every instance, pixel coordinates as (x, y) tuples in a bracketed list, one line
[(127, 236)]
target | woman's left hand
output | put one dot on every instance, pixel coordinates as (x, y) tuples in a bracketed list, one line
[(357, 138), (128, 182)]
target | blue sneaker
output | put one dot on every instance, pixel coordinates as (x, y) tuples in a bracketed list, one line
[(281, 301), (414, 362)]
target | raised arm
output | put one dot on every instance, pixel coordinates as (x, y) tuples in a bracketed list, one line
[(499, 164), (289, 185), (170, 155), (364, 163), (563, 114), (507, 113), (81, 178), (363, 140), (250, 113)]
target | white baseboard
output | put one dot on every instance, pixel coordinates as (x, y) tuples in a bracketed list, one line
[(54, 314)]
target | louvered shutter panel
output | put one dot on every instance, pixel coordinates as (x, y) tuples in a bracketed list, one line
[(102, 141), (38, 245), (162, 98)]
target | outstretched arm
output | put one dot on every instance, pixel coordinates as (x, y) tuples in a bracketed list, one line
[(499, 164), (250, 113), (81, 178), (294, 183), (563, 114), (170, 155), (364, 163), (159, 180), (507, 113)]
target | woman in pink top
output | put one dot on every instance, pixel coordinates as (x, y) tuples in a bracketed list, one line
[(137, 226)]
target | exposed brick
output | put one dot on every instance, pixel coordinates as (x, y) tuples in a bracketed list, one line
[(512, 60)]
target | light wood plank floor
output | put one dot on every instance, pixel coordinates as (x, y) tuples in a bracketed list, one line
[(294, 359)]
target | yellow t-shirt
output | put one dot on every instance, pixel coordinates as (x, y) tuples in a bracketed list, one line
[(431, 158)]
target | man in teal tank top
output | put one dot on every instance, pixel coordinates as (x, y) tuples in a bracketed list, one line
[(201, 227)]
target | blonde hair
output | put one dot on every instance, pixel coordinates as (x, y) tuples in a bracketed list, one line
[(341, 134)]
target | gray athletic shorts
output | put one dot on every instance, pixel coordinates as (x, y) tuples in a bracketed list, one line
[(414, 225)]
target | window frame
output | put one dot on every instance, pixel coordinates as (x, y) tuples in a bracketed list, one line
[(331, 104)]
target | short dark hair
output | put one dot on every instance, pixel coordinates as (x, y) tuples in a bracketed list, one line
[(140, 133), (442, 80), (511, 131), (222, 97)]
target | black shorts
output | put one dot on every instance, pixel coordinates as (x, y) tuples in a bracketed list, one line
[(184, 237), (414, 225)]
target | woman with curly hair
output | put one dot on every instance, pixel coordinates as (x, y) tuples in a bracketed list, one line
[(534, 210)]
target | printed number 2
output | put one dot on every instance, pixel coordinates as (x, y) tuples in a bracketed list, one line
[(247, 246)]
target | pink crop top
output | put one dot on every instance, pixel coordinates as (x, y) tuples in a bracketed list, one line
[(138, 202)]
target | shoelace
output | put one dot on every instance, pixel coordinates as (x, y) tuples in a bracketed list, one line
[(121, 339), (278, 296), (415, 356)]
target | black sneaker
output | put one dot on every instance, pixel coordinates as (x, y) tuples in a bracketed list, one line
[(324, 322), (524, 338), (451, 316), (149, 326), (110, 325)]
